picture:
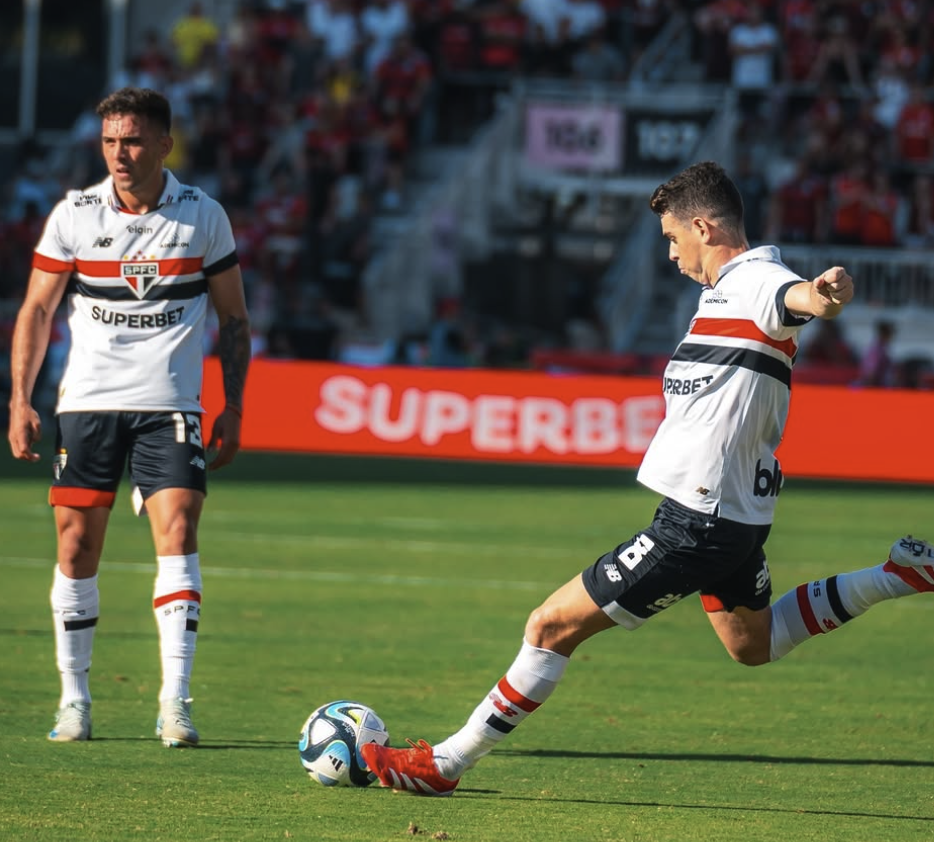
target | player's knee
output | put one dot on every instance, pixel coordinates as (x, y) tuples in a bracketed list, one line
[(544, 628), (178, 535), (749, 653), (78, 552)]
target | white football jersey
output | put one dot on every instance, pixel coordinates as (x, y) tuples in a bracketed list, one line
[(138, 295), (726, 389)]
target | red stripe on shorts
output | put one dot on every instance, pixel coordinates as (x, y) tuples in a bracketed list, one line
[(80, 498)]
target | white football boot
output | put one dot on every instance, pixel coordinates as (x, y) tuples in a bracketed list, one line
[(72, 723), (174, 724), (912, 560)]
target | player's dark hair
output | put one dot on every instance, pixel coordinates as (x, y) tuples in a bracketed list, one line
[(702, 189), (141, 102)]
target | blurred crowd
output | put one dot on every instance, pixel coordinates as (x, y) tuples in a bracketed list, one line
[(304, 117), (836, 143)]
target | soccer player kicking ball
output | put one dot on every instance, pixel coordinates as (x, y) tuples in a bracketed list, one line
[(713, 461), (137, 256)]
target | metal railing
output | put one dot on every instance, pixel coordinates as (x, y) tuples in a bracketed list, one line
[(884, 277), (402, 283)]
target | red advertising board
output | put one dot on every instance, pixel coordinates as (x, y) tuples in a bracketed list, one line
[(532, 417)]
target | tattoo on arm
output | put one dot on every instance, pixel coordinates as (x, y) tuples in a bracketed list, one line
[(234, 348)]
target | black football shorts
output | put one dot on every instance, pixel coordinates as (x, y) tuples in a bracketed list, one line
[(680, 553), (93, 451)]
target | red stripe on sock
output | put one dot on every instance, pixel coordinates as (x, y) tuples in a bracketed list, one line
[(807, 613), (515, 697), (190, 596), (910, 576)]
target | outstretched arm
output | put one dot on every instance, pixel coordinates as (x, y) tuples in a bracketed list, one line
[(234, 348), (824, 297)]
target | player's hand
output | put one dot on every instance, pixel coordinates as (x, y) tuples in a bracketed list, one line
[(834, 285), (25, 431), (225, 439)]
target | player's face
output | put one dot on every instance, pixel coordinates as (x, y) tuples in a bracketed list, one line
[(684, 247), (134, 150)]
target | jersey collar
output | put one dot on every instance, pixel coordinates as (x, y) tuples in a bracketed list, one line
[(169, 193), (770, 254)]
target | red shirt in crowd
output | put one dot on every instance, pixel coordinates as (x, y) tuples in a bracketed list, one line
[(914, 132), (847, 191)]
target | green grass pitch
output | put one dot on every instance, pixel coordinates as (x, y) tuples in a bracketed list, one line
[(411, 597)]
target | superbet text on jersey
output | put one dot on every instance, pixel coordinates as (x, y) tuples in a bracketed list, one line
[(138, 294)]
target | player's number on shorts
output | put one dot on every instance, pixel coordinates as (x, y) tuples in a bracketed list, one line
[(187, 428), (636, 551)]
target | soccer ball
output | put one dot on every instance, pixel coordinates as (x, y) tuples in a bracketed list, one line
[(330, 740)]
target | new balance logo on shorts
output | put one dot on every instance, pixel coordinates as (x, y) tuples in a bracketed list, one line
[(197, 461)]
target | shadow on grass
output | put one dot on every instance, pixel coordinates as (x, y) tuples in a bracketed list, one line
[(211, 745), (674, 805), (720, 758)]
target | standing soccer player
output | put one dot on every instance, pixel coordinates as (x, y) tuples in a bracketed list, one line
[(137, 257), (713, 461)]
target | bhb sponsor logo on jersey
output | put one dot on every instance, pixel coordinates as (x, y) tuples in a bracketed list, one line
[(769, 481)]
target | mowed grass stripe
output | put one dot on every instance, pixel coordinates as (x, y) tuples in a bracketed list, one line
[(210, 571)]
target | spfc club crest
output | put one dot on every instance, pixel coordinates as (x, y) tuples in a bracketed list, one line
[(140, 276)]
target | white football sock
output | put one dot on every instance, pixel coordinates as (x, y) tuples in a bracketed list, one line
[(75, 609), (826, 604), (530, 680), (176, 602)]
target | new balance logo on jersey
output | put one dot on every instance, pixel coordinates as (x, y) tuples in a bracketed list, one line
[(768, 483), (103, 242)]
